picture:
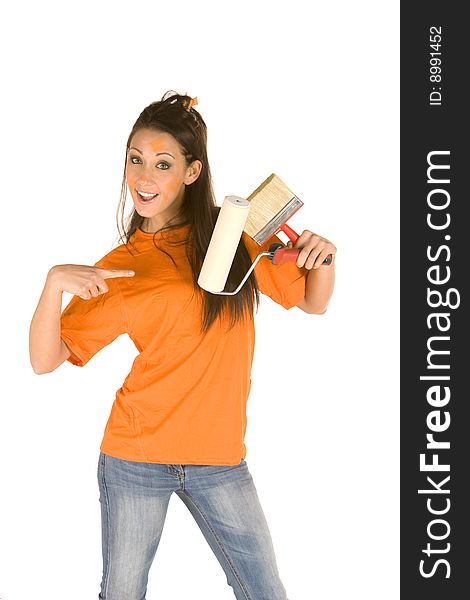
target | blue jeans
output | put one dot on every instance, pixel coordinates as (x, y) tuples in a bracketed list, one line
[(134, 499)]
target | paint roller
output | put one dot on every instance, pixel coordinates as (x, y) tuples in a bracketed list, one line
[(223, 245)]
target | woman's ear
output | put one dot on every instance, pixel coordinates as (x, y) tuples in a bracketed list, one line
[(194, 170)]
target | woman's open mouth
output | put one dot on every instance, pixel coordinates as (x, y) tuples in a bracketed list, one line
[(145, 198)]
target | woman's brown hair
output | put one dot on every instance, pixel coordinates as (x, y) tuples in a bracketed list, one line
[(199, 209)]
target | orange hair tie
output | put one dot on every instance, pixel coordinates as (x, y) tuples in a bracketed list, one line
[(192, 102)]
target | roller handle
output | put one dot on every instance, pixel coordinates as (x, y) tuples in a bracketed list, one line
[(291, 254), (284, 254)]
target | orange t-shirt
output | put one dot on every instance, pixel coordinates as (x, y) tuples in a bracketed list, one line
[(184, 399)]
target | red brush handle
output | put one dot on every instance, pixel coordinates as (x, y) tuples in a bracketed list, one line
[(287, 255), (290, 233)]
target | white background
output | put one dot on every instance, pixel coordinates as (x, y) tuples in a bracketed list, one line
[(308, 90)]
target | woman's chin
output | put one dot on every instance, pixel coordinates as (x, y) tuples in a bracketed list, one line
[(142, 210)]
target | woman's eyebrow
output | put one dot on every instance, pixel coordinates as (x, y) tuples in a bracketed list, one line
[(158, 153)]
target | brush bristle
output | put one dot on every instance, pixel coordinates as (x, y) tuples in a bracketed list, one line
[(270, 199)]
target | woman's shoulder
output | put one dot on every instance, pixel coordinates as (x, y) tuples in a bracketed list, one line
[(120, 255)]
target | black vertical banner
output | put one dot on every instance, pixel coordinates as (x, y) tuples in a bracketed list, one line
[(435, 258)]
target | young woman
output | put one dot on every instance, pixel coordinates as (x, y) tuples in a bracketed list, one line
[(178, 422)]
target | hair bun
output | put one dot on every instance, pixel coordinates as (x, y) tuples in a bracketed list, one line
[(186, 101)]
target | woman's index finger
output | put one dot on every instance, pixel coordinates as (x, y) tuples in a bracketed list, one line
[(107, 273)]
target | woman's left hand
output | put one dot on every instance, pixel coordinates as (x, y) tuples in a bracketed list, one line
[(314, 249)]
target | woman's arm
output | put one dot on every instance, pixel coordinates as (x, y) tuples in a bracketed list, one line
[(318, 289), (46, 348), (321, 278)]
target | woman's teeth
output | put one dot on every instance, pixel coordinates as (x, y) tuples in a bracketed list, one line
[(146, 197)]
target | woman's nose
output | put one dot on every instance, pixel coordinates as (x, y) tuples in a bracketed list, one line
[(145, 179)]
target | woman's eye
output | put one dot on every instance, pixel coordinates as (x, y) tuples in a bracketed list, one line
[(135, 160)]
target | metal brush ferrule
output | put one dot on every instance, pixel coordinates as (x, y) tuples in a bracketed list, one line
[(275, 223)]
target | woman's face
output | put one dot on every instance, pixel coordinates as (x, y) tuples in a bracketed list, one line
[(156, 175)]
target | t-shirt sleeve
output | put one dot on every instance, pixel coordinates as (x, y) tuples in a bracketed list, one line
[(87, 326), (283, 283)]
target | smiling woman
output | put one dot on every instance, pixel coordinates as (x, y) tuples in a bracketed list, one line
[(178, 421), (157, 186)]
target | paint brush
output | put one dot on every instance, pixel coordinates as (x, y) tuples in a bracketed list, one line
[(271, 205)]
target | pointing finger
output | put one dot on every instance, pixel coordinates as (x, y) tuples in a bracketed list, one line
[(107, 273)]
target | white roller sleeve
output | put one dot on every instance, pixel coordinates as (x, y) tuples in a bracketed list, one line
[(223, 244)]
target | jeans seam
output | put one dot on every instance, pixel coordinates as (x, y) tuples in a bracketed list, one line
[(106, 499), (242, 587)]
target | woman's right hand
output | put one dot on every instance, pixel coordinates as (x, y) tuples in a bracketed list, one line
[(82, 280)]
